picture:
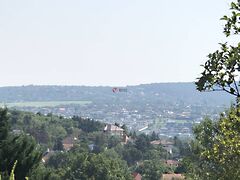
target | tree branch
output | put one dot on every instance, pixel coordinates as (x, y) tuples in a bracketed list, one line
[(238, 95)]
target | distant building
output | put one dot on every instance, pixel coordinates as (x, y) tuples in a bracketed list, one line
[(167, 145), (137, 176), (168, 148), (172, 176), (163, 142), (126, 139), (156, 142), (47, 155), (113, 130), (68, 143)]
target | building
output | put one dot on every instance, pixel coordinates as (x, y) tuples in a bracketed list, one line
[(172, 176), (47, 155), (156, 142), (68, 143), (137, 176), (113, 130), (125, 139)]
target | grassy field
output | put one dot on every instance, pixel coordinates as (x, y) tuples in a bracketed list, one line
[(44, 103)]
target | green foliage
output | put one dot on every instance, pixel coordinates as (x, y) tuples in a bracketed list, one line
[(223, 66), (124, 127), (143, 142), (216, 150), (217, 147), (154, 154), (131, 154), (154, 136), (40, 173), (151, 169), (221, 71), (183, 146), (12, 176), (232, 22), (39, 104), (46, 130), (88, 125), (84, 165), (110, 159), (22, 149), (100, 142), (4, 125), (113, 141), (58, 146), (61, 160)]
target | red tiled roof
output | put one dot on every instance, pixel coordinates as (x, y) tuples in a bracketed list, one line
[(137, 176)]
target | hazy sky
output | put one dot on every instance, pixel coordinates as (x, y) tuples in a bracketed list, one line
[(107, 42)]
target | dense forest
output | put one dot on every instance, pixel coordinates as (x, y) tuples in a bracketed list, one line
[(53, 147)]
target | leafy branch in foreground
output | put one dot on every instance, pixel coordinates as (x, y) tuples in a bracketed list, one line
[(222, 69), (216, 148)]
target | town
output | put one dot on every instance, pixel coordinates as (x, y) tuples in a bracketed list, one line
[(166, 120)]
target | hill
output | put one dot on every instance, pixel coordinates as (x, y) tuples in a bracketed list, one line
[(166, 108), (172, 93)]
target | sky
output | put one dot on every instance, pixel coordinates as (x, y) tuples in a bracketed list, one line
[(107, 42)]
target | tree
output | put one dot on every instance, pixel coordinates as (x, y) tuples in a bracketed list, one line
[(131, 154), (22, 149), (182, 145), (4, 126), (100, 142), (216, 150), (58, 145), (151, 169), (113, 141), (217, 154), (154, 136), (42, 172), (221, 70), (124, 127), (61, 160), (97, 166), (88, 125), (143, 142)]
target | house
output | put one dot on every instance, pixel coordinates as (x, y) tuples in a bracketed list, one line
[(137, 176), (172, 176), (113, 130), (167, 145), (156, 142), (68, 143), (126, 139), (166, 142), (47, 155)]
